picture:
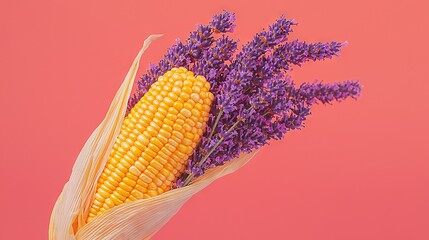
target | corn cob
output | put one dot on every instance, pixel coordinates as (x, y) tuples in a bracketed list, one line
[(156, 139)]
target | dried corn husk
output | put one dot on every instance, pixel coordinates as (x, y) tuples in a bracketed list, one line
[(139, 219)]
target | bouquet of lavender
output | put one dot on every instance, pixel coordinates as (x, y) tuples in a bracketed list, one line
[(252, 100), (255, 99)]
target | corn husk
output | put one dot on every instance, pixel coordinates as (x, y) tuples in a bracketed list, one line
[(139, 219)]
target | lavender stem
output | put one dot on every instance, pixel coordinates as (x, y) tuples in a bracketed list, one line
[(215, 124)]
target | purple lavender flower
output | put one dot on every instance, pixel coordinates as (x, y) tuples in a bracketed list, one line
[(311, 93), (296, 53), (223, 22)]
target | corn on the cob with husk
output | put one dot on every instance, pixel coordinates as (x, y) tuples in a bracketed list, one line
[(121, 183), (156, 139), (114, 191)]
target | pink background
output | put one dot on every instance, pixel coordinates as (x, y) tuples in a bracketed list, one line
[(359, 170)]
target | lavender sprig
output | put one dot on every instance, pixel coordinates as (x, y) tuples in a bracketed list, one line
[(296, 53), (311, 93)]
